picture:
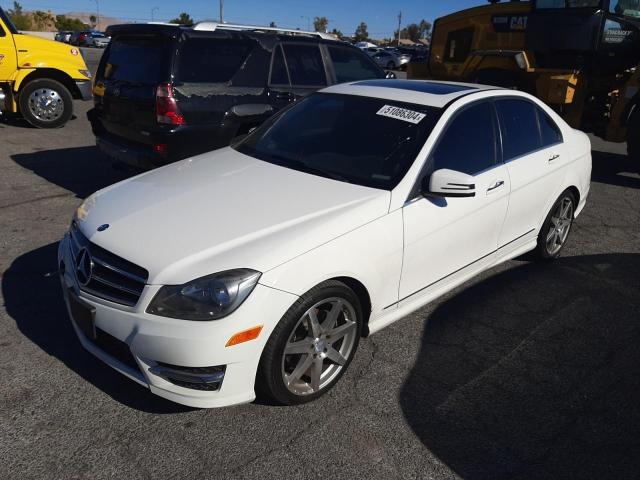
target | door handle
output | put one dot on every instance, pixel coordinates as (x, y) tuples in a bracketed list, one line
[(554, 157), (284, 95), (498, 184)]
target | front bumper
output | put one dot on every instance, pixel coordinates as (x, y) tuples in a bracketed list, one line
[(155, 341), (84, 87)]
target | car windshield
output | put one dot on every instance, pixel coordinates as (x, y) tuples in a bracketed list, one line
[(627, 8), (362, 140)]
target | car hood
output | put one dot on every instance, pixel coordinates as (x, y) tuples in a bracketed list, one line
[(223, 210), (36, 52)]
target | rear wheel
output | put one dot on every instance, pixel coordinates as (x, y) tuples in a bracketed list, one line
[(633, 138), (555, 230), (312, 346), (45, 103)]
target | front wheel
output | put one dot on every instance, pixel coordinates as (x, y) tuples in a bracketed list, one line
[(633, 138), (556, 227), (45, 103), (312, 345)]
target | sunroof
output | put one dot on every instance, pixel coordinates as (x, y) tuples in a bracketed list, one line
[(416, 86)]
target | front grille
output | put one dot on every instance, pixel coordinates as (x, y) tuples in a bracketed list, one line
[(112, 278), (115, 348)]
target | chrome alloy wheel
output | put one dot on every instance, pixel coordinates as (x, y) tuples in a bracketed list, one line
[(46, 104), (319, 346), (559, 226)]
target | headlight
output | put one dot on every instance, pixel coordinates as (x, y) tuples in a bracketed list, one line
[(207, 298)]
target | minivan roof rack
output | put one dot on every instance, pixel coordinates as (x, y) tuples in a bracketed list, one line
[(213, 26)]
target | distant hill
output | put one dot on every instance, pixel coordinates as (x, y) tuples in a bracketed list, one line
[(85, 16)]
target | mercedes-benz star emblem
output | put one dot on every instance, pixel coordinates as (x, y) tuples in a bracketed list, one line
[(84, 267)]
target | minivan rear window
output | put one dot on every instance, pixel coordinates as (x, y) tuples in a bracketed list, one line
[(138, 59), (206, 60)]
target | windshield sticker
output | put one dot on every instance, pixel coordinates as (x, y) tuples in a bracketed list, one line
[(401, 114)]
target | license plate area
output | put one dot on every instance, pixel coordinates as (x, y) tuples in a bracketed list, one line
[(83, 315)]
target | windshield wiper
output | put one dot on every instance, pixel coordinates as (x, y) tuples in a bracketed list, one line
[(300, 165)]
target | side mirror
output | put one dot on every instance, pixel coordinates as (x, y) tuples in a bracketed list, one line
[(391, 75), (449, 183)]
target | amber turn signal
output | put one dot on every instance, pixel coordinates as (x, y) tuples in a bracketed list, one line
[(245, 336)]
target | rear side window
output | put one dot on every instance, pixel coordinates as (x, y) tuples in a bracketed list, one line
[(468, 144), (350, 65), (519, 122), (458, 45), (138, 59), (305, 64), (205, 60), (549, 131)]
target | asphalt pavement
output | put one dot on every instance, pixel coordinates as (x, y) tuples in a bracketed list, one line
[(528, 371)]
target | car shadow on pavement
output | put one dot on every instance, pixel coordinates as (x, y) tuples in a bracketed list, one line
[(533, 373), (33, 298), (81, 170), (614, 169)]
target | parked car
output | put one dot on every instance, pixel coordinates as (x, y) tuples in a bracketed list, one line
[(63, 36), (165, 92), (97, 39), (81, 38), (371, 50), (391, 60), (261, 265)]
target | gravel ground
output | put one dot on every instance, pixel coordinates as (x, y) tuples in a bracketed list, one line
[(529, 371)]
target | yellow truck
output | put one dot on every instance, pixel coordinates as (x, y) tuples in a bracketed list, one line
[(39, 78), (582, 57)]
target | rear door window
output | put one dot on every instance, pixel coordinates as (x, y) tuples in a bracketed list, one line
[(279, 75), (519, 124), (305, 64), (138, 59), (549, 131), (206, 60), (350, 65)]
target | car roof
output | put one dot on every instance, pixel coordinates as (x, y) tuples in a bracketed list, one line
[(424, 92)]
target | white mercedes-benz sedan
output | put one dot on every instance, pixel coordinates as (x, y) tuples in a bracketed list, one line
[(257, 268)]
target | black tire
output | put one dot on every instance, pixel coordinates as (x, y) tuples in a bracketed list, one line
[(270, 381), (391, 65), (633, 138), (63, 98), (543, 250)]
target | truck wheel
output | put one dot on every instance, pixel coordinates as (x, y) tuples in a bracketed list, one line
[(45, 103), (633, 138)]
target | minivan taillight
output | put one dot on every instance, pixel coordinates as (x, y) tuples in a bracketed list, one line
[(167, 110)]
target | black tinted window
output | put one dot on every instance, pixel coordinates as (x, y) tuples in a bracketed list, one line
[(458, 45), (468, 144), (305, 65), (330, 141), (520, 134), (548, 129), (279, 70), (204, 60), (351, 65), (137, 59)]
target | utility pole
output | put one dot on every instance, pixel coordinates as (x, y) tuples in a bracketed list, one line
[(399, 23), (308, 21), (97, 14), (153, 10), (221, 11)]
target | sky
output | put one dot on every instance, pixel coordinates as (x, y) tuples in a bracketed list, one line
[(381, 16)]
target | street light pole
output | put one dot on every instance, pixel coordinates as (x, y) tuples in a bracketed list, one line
[(152, 10), (221, 11), (399, 22), (308, 21), (97, 14)]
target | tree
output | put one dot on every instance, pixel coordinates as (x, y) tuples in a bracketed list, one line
[(183, 19), (320, 24), (69, 24), (19, 18), (93, 20), (273, 25), (425, 29), (337, 33), (362, 35)]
